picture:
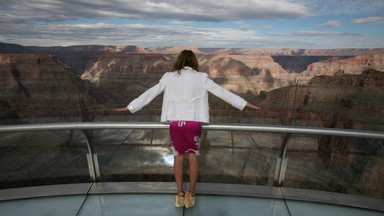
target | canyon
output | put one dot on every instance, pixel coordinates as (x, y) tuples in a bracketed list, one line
[(82, 83), (335, 88)]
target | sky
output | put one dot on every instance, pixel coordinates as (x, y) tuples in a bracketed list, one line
[(304, 24)]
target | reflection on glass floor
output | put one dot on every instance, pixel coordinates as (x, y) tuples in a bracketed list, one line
[(162, 204)]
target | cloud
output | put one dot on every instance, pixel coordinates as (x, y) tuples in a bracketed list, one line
[(266, 27), (245, 27), (369, 21), (54, 34), (334, 24), (313, 33), (154, 10), (176, 22), (343, 7), (181, 22)]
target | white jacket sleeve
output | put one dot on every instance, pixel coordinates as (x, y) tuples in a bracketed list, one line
[(138, 103), (224, 94)]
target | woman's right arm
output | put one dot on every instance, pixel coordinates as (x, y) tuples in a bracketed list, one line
[(146, 97)]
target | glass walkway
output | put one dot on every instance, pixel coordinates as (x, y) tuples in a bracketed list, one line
[(126, 169), (111, 199)]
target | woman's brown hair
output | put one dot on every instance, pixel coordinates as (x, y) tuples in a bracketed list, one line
[(186, 58)]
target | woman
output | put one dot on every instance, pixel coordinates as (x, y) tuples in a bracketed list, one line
[(185, 106)]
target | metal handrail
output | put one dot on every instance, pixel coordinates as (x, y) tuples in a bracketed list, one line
[(281, 163), (226, 127)]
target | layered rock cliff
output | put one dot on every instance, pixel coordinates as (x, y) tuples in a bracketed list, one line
[(347, 101), (295, 52), (39, 88), (238, 73), (344, 101), (353, 65), (264, 74), (292, 60), (76, 57), (298, 64)]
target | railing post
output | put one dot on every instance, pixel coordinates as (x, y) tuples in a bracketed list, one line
[(232, 143), (93, 162), (91, 168), (281, 163)]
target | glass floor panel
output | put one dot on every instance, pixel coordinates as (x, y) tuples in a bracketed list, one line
[(230, 205), (319, 209), (130, 204), (52, 206), (163, 204)]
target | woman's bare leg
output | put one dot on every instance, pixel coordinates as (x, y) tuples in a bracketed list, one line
[(178, 170), (193, 171)]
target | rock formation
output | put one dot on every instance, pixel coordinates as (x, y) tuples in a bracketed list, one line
[(295, 52), (76, 57), (298, 64), (353, 65), (238, 73), (327, 101), (172, 49), (39, 88), (347, 101)]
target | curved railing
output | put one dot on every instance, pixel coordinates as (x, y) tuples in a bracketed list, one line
[(228, 127), (324, 159)]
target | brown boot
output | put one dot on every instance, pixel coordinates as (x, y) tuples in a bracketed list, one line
[(189, 200), (180, 199)]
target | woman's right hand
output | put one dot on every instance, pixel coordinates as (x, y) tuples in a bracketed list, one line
[(121, 109), (253, 107)]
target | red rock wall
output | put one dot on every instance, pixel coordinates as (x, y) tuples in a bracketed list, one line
[(354, 65), (40, 88)]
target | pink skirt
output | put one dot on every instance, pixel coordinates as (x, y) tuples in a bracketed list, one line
[(185, 137)]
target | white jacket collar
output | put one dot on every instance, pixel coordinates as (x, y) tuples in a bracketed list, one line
[(187, 68)]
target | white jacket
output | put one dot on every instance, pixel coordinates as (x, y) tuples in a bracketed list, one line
[(186, 96)]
